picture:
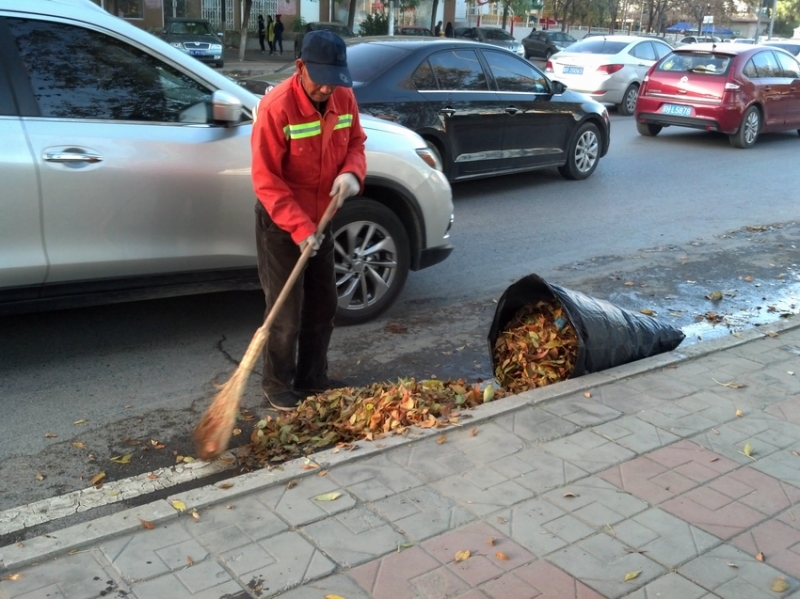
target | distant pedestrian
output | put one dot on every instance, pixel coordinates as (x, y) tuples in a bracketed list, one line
[(271, 34), (437, 31), (448, 31), (261, 32), (278, 41)]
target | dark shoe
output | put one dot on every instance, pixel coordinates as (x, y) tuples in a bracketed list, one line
[(285, 401), (321, 386)]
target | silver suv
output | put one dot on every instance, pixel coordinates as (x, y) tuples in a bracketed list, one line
[(125, 169)]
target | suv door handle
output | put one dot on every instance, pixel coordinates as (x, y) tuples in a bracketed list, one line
[(512, 110), (71, 156), (447, 111)]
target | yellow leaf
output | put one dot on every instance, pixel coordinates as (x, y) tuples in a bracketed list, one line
[(748, 450), (237, 431), (122, 459), (647, 312), (179, 505), (715, 296), (462, 555), (187, 459), (779, 585), (97, 478), (333, 597), (739, 413), (748, 278), (81, 421), (488, 393), (632, 575), (16, 576), (501, 555), (328, 496), (78, 445), (147, 524)]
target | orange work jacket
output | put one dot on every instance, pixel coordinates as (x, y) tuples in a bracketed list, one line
[(297, 153)]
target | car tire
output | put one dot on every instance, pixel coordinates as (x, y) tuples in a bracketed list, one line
[(583, 153), (372, 259), (628, 104), (648, 129), (747, 134)]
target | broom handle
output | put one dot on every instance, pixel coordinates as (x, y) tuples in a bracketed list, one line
[(260, 337)]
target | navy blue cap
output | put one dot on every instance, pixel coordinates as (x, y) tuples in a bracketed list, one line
[(325, 56)]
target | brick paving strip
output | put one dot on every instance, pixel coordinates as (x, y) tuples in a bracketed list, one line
[(561, 493)]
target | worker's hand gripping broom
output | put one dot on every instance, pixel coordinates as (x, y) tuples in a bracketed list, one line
[(213, 432)]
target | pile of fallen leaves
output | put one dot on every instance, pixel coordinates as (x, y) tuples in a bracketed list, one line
[(538, 347), (342, 416)]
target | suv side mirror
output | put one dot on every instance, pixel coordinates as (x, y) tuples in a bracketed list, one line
[(225, 107)]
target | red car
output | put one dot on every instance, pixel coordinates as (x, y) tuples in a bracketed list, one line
[(737, 89)]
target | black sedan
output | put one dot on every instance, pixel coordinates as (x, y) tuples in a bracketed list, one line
[(484, 110)]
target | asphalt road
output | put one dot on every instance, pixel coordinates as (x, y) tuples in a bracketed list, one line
[(662, 223)]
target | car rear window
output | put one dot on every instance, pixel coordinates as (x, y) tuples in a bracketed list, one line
[(598, 46), (706, 63), (367, 61)]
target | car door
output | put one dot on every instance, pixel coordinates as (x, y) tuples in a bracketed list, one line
[(136, 179), (22, 257), (455, 85), (536, 122), (771, 87), (791, 72), (645, 57)]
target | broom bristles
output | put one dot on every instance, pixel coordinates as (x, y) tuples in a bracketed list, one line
[(213, 433)]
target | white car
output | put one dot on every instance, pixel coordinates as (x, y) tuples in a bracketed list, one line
[(125, 169), (608, 69)]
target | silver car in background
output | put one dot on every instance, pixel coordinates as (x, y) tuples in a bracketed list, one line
[(125, 170)]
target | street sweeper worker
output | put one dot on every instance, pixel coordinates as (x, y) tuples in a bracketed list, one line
[(308, 150)]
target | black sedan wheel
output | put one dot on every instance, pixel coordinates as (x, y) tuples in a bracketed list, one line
[(372, 259), (583, 154), (747, 134)]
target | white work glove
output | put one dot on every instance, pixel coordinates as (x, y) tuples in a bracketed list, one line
[(344, 186), (313, 240)]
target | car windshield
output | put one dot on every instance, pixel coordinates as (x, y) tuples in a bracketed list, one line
[(366, 61), (598, 46), (707, 63), (191, 28), (790, 48)]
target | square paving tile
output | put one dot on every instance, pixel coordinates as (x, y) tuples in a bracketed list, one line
[(354, 537), (731, 504), (374, 478), (541, 527), (422, 513), (298, 506), (783, 465), (635, 434), (430, 461), (537, 425), (538, 471), (340, 585), (170, 586), (788, 410), (602, 562), (779, 542), (746, 579), (492, 443), (665, 539), (671, 586), (582, 411), (676, 419), (596, 502), (135, 556), (667, 472), (392, 576), (539, 579), (588, 450), (766, 435), (482, 491)]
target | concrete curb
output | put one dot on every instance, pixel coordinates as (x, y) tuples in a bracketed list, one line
[(72, 539)]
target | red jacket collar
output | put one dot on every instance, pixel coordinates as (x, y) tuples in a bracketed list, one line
[(304, 102)]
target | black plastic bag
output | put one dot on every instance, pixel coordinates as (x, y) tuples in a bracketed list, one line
[(608, 336)]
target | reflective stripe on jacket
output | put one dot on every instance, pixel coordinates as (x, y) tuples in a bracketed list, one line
[(297, 153)]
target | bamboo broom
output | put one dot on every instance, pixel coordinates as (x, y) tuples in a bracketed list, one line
[(213, 433)]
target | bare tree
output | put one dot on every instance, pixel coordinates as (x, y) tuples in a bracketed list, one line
[(248, 6)]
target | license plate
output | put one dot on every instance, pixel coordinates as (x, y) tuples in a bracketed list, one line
[(573, 71), (676, 110), (197, 52)]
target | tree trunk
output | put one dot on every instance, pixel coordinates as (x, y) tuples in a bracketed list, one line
[(248, 5), (505, 14), (351, 15)]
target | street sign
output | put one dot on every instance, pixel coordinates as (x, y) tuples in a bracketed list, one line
[(708, 19)]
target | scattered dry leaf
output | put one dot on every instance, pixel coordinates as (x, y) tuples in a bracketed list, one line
[(587, 395), (147, 524), (779, 585), (748, 450), (292, 483), (795, 454), (39, 476), (333, 597), (491, 541), (237, 431), (488, 393), (78, 445), (760, 556), (50, 436), (224, 486), (441, 439), (328, 496), (713, 459), (732, 565), (195, 514), (474, 431), (632, 575), (152, 476), (179, 505), (501, 555), (748, 278), (571, 494), (462, 555), (739, 413), (311, 466), (322, 473), (501, 520), (16, 576), (189, 560), (81, 421), (122, 459), (97, 478), (647, 312), (629, 283), (714, 296), (770, 333)]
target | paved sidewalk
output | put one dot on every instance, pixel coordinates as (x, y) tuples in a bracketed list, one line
[(558, 493)]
